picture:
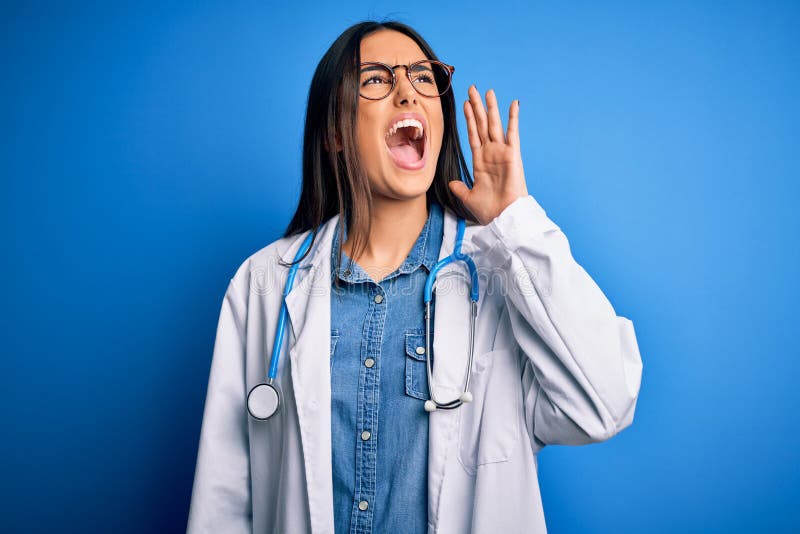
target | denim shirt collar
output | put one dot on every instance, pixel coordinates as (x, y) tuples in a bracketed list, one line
[(425, 251)]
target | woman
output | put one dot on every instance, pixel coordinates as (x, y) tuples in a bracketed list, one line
[(355, 443)]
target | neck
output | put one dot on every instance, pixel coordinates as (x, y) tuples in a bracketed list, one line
[(395, 227)]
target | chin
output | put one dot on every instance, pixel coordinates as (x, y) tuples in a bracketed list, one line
[(404, 185)]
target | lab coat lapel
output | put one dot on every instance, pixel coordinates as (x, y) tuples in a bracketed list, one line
[(450, 358), (308, 305), (451, 318)]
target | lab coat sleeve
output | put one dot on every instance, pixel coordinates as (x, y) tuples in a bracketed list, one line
[(221, 499), (581, 368)]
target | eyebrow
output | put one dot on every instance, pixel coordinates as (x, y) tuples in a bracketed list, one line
[(371, 67), (423, 67), (418, 68)]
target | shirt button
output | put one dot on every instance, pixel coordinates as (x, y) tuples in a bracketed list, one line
[(363, 505), (420, 350), (347, 272), (378, 299), (365, 435), (369, 362)]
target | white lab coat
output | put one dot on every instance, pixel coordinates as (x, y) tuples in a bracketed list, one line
[(553, 364)]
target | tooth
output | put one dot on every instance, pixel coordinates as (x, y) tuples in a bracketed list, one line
[(404, 124)]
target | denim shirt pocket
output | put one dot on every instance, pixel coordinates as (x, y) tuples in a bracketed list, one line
[(416, 367)]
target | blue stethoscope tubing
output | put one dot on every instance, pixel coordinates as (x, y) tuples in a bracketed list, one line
[(457, 255), (264, 399)]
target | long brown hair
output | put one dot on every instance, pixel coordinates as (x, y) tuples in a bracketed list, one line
[(333, 181)]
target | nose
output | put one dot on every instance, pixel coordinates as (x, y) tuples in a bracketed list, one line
[(404, 92)]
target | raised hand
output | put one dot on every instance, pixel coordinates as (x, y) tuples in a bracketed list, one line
[(497, 170)]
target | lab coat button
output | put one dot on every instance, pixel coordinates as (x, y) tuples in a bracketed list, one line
[(365, 435), (363, 505), (369, 362), (378, 299), (420, 350)]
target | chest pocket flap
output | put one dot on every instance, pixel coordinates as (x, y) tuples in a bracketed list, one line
[(416, 368)]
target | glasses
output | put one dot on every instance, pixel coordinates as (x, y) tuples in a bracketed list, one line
[(429, 77)]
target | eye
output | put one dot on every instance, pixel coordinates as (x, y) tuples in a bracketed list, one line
[(375, 79), (375, 75)]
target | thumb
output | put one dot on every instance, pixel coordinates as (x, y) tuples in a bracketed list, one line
[(459, 189)]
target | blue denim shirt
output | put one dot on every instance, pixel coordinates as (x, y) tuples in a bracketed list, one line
[(379, 427)]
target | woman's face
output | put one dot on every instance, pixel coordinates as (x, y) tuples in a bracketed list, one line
[(393, 164)]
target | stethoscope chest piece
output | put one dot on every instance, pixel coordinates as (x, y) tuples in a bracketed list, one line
[(263, 401)]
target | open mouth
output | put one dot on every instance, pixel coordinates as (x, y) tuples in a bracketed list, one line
[(406, 144)]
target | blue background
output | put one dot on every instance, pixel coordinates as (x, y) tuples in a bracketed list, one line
[(148, 149)]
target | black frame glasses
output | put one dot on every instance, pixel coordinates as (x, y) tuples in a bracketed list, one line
[(448, 69)]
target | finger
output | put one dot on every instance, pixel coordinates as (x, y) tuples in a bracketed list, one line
[(495, 124), (479, 113), (472, 128), (513, 124)]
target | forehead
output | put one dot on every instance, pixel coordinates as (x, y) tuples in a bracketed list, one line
[(390, 47)]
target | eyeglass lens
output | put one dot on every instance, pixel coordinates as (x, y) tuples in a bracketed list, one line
[(428, 78)]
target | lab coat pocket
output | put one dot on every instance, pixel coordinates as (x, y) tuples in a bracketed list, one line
[(489, 424), (416, 368)]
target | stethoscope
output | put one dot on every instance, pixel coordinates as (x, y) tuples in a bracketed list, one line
[(264, 399)]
